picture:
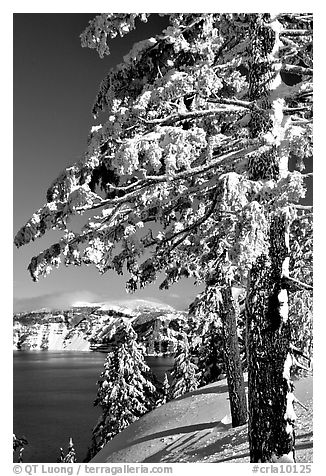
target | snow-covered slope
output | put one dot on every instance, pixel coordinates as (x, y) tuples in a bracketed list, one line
[(196, 428)]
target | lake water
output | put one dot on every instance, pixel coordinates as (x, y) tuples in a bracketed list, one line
[(53, 400)]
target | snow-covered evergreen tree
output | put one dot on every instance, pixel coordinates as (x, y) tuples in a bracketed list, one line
[(70, 456), (301, 300), (19, 443), (184, 374), (285, 123), (164, 391), (125, 390), (165, 388), (211, 361)]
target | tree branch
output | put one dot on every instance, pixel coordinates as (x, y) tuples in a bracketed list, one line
[(234, 102), (186, 230), (294, 69), (295, 284), (297, 364), (296, 32), (289, 43), (300, 121), (298, 351), (134, 188), (300, 403), (304, 216), (195, 225), (106, 220), (181, 116), (310, 174), (302, 207), (291, 110), (298, 16)]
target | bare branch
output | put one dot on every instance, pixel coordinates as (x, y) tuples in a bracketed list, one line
[(300, 403)]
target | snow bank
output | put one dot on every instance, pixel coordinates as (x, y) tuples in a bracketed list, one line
[(194, 428), (150, 436)]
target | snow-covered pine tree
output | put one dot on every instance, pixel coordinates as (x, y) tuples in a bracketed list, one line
[(164, 391), (280, 44), (70, 456), (211, 362), (205, 339), (301, 299), (165, 388), (187, 169), (125, 390), (184, 374), (19, 443)]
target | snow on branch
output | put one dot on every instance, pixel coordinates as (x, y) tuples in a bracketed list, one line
[(181, 116), (288, 32), (134, 188), (302, 207), (177, 124), (234, 102), (191, 227), (106, 26)]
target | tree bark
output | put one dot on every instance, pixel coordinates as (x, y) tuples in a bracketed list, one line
[(270, 392), (235, 380), (271, 414)]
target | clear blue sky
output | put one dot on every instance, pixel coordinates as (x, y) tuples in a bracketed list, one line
[(55, 83)]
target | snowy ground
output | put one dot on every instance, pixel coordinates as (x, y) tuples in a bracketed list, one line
[(196, 429)]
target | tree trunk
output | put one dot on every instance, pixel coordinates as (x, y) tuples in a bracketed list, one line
[(270, 392), (237, 394), (271, 414)]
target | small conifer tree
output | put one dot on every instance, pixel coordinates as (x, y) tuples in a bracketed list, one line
[(185, 377), (125, 391), (19, 443), (70, 456), (211, 359), (164, 391), (165, 388)]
